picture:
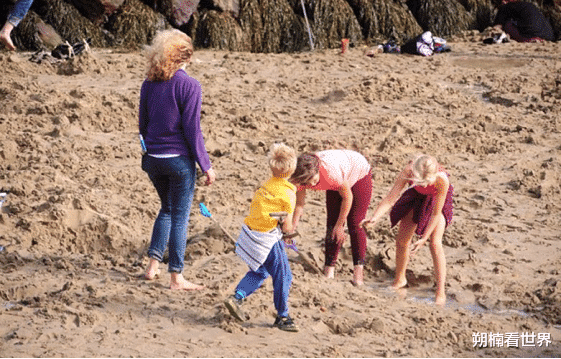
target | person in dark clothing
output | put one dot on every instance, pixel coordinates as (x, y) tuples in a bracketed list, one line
[(524, 22)]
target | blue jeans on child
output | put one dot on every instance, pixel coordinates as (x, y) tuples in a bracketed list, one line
[(276, 265), (19, 11), (174, 179)]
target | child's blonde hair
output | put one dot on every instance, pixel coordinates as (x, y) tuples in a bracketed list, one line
[(424, 169), (170, 51), (282, 160)]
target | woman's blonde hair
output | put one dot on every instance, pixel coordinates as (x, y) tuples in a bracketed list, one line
[(282, 160), (170, 51), (424, 169)]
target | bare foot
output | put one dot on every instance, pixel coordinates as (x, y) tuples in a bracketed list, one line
[(7, 41), (152, 271), (150, 274), (399, 284), (358, 276), (186, 285), (329, 272), (440, 299), (180, 283)]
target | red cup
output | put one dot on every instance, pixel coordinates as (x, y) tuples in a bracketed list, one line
[(344, 45)]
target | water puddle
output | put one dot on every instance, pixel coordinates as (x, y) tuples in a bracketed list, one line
[(426, 296), (8, 305), (482, 92), (472, 307), (489, 63)]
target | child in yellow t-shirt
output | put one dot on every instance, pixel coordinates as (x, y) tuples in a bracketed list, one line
[(260, 243)]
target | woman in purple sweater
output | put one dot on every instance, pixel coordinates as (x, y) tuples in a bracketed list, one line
[(169, 122)]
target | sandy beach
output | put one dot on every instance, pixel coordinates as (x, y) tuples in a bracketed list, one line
[(77, 219)]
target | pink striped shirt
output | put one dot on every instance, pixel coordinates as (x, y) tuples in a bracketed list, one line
[(338, 166)]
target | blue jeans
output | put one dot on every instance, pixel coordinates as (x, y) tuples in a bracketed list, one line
[(174, 179), (19, 11), (276, 265)]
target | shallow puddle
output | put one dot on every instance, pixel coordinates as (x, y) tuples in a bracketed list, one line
[(487, 63)]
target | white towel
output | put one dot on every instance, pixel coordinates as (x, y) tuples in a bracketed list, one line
[(254, 247)]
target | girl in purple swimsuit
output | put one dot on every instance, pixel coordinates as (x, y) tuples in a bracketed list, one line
[(425, 209)]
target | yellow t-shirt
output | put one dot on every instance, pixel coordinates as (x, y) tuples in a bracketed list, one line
[(275, 195)]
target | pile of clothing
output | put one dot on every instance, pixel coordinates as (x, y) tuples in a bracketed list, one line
[(62, 52), (425, 45)]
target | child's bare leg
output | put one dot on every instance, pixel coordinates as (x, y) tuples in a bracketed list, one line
[(153, 270), (5, 36), (439, 260), (358, 275), (180, 283), (402, 241), (329, 271)]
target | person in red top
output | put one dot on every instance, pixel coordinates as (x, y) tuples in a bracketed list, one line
[(345, 176), (425, 209)]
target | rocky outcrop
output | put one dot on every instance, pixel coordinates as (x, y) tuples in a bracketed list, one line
[(254, 25)]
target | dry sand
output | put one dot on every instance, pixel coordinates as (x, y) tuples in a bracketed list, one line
[(77, 221)]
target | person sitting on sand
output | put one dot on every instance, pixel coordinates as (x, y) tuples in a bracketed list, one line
[(17, 14), (523, 22), (260, 243), (345, 176), (425, 208), (169, 121)]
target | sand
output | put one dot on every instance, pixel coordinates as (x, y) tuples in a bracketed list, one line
[(77, 220)]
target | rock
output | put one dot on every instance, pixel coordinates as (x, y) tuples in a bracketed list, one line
[(96, 10), (232, 6), (178, 12)]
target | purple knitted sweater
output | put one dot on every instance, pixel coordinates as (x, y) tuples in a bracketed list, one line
[(170, 118)]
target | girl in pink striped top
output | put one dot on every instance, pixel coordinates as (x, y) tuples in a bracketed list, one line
[(346, 178)]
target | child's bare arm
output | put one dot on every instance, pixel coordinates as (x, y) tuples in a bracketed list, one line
[(288, 225), (393, 195), (299, 208), (346, 203)]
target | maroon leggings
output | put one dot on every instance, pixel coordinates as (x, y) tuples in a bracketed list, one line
[(362, 193)]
